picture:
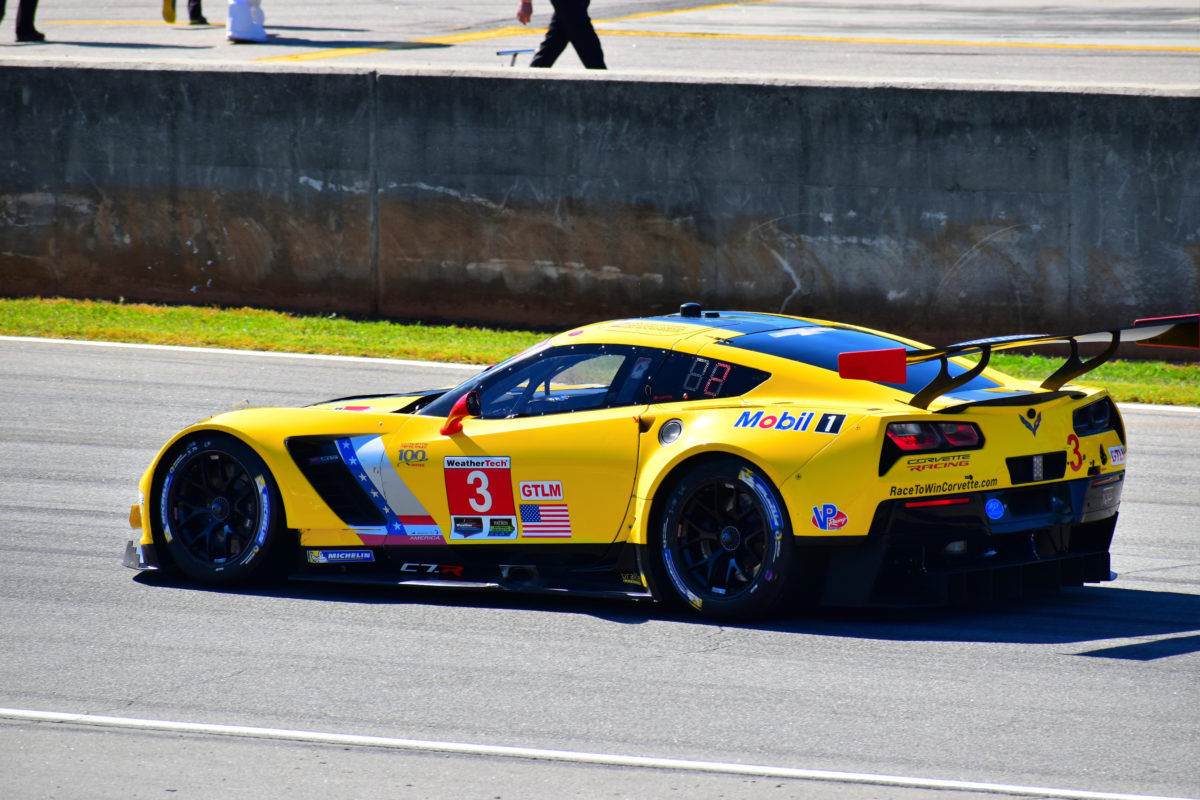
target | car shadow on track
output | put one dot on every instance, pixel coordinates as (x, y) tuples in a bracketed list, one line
[(1088, 614)]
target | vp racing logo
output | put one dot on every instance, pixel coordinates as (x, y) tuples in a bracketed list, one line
[(829, 517)]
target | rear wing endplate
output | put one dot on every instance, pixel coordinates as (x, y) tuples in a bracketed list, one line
[(891, 365)]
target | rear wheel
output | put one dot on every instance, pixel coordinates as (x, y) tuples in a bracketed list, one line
[(723, 542), (217, 509)]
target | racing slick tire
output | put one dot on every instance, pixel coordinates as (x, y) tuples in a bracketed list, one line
[(723, 544), (217, 510)]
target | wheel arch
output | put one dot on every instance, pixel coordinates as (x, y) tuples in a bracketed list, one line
[(652, 495), (155, 476)]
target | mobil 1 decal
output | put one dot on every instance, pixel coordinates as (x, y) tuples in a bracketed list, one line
[(801, 421), (479, 493)]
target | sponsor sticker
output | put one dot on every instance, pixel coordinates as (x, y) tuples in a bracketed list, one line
[(353, 408), (479, 491), (829, 517), (465, 527), (541, 490), (1116, 455), (924, 463), (968, 484), (412, 455), (502, 528), (994, 508), (339, 556), (786, 421)]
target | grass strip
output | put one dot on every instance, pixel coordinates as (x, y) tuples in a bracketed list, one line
[(254, 329)]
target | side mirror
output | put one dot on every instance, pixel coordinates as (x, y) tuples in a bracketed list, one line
[(469, 405)]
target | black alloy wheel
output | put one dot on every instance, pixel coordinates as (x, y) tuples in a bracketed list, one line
[(218, 509), (724, 542)]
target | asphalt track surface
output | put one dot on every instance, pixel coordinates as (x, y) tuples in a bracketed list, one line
[(1091, 693), (1132, 46)]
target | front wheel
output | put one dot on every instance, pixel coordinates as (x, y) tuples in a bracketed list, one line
[(723, 542), (217, 509)]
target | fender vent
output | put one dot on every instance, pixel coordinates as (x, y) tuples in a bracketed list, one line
[(318, 458)]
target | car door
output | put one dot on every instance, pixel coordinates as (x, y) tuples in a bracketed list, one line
[(550, 459)]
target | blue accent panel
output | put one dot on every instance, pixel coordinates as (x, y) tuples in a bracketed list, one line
[(350, 458), (821, 348)]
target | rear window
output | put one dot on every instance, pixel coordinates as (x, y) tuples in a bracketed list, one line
[(819, 346)]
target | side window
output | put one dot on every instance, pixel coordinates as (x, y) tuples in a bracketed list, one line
[(560, 383), (689, 377), (560, 380)]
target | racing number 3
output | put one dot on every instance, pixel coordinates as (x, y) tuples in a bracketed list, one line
[(478, 480), (1076, 455)]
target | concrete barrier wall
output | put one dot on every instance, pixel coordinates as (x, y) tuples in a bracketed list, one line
[(503, 198)]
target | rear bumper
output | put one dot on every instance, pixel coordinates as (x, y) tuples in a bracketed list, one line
[(979, 546)]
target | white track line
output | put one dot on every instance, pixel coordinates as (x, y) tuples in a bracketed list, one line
[(568, 756), (174, 348)]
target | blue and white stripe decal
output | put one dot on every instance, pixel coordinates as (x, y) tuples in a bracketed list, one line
[(406, 520)]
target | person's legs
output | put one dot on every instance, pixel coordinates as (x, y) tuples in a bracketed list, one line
[(196, 13), (26, 10), (555, 42), (580, 31)]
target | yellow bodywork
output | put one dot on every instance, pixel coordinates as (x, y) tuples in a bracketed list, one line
[(608, 466)]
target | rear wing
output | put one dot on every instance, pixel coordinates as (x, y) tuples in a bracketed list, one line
[(891, 365)]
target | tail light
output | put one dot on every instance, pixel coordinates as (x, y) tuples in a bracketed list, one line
[(903, 438), (913, 436), (1098, 417)]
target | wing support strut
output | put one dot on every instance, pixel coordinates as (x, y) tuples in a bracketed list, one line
[(944, 383), (1072, 368)]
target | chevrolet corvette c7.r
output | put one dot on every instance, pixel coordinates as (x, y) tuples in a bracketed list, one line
[(726, 462)]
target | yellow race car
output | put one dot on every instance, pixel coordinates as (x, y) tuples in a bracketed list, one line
[(722, 461)]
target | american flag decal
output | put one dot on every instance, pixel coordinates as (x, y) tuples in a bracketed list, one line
[(545, 520)]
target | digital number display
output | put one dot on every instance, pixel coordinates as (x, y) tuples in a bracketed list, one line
[(686, 377), (707, 373)]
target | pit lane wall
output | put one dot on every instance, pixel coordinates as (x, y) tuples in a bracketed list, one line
[(502, 197)]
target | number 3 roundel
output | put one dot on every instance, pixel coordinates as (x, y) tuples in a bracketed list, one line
[(479, 485)]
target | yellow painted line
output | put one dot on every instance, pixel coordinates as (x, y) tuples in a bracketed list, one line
[(318, 55), (884, 40), (479, 36), (457, 38)]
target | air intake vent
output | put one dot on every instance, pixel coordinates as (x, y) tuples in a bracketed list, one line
[(318, 458)]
